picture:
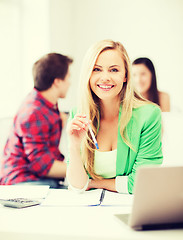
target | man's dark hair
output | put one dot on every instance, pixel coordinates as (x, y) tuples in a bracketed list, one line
[(49, 67)]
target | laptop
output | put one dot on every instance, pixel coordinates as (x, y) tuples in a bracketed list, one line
[(158, 199)]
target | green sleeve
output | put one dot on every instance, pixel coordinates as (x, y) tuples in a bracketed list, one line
[(71, 116), (150, 146)]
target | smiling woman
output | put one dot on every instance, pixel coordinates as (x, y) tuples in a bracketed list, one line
[(106, 77), (126, 126)]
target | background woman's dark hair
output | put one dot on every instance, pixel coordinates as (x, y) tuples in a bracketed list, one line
[(49, 67), (153, 91)]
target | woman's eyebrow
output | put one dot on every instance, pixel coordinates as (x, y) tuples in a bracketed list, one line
[(98, 66), (114, 66)]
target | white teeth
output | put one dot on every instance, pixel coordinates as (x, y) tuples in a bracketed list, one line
[(105, 87)]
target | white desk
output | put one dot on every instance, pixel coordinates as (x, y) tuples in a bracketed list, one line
[(77, 223)]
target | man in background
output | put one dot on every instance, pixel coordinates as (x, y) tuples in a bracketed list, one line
[(31, 154)]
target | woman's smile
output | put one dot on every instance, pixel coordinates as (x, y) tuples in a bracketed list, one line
[(108, 75), (105, 87)]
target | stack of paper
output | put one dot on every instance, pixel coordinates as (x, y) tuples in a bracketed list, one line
[(117, 199), (20, 191)]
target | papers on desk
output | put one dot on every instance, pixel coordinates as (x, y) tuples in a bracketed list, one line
[(117, 199), (20, 191), (62, 197)]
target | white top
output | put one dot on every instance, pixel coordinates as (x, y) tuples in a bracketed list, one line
[(105, 166), (105, 163)]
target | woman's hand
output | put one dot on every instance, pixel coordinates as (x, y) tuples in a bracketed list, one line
[(77, 128), (108, 184), (94, 184)]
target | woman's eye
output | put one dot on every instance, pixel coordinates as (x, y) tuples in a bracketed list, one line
[(114, 70), (96, 69)]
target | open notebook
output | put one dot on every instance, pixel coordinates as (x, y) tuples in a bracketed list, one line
[(89, 198)]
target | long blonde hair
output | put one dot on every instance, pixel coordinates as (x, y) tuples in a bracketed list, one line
[(129, 99)]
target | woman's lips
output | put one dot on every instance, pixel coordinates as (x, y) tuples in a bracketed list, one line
[(105, 87)]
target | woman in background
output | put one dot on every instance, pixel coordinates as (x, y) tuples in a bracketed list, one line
[(145, 80), (127, 127)]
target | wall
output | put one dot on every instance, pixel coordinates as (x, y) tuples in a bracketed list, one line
[(62, 40), (35, 37), (25, 37), (29, 29), (9, 55), (146, 28)]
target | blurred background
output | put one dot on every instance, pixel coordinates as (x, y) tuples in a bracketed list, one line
[(32, 28)]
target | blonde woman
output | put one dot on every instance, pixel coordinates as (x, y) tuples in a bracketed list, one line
[(126, 126)]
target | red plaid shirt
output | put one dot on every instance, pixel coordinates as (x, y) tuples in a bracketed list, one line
[(33, 142)]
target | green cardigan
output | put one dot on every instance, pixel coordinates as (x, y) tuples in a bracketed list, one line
[(144, 132)]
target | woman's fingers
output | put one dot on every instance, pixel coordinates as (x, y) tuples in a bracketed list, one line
[(76, 127), (79, 122), (81, 118), (80, 115)]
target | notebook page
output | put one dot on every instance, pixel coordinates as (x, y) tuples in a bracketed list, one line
[(63, 197), (117, 199)]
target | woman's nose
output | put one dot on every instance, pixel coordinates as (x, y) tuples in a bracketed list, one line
[(105, 76)]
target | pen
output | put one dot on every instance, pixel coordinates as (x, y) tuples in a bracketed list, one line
[(102, 196), (93, 136)]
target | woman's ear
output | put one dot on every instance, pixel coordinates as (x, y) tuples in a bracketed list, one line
[(125, 79)]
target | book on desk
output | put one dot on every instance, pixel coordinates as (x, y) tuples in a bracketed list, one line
[(87, 199)]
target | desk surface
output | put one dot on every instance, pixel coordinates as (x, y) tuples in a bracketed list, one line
[(56, 222)]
